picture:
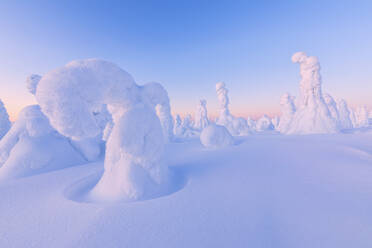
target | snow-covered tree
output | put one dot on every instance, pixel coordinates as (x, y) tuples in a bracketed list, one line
[(201, 115), (312, 115), (251, 123), (332, 107), (264, 124), (344, 114), (288, 110), (275, 121), (362, 117), (133, 165), (178, 128), (159, 98), (5, 123), (236, 126)]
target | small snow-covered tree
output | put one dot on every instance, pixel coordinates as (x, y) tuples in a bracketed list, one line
[(332, 107), (178, 128), (344, 113), (288, 110), (362, 119), (312, 115), (133, 165), (201, 115), (5, 123), (236, 126), (264, 124), (159, 98)]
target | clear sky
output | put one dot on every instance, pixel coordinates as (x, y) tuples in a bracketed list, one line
[(189, 46)]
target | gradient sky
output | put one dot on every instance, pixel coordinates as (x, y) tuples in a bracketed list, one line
[(188, 46)]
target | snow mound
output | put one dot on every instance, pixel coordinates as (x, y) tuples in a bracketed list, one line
[(216, 136), (312, 115), (5, 123), (32, 147), (133, 167), (361, 117)]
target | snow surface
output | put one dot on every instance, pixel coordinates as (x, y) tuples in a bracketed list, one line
[(269, 191)]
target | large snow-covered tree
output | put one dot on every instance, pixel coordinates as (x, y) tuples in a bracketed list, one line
[(133, 165), (312, 115)]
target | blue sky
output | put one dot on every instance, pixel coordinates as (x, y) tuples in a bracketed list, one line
[(188, 46)]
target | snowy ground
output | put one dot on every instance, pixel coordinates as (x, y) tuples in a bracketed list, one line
[(267, 191)]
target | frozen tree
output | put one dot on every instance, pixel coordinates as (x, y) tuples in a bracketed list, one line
[(201, 116), (216, 136), (5, 123), (236, 126), (275, 121), (32, 146), (32, 82), (288, 110), (312, 115), (251, 124), (187, 125), (264, 124), (344, 114), (133, 167), (178, 128), (362, 117), (158, 97), (332, 107), (225, 117)]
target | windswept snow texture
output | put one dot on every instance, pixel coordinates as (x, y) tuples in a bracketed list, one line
[(32, 147), (69, 96), (201, 115), (236, 126), (4, 120), (274, 191), (216, 136), (312, 115)]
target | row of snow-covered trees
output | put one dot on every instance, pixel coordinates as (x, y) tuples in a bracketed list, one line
[(90, 108)]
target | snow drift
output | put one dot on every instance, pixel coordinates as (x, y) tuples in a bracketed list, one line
[(216, 136), (32, 146), (133, 167)]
